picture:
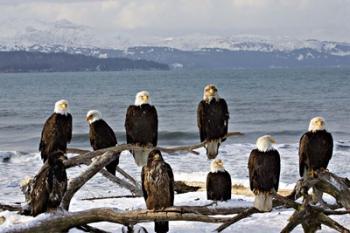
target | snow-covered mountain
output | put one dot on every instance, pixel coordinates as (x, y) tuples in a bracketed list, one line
[(64, 35), (188, 51)]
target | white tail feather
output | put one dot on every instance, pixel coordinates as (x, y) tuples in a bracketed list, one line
[(263, 201), (141, 157), (212, 148)]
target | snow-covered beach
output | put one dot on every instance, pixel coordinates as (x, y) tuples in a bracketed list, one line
[(186, 167)]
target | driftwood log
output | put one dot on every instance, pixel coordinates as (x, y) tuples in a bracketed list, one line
[(313, 217), (99, 162), (62, 221), (85, 157), (310, 217)]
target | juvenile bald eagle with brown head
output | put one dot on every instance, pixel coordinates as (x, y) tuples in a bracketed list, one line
[(102, 136), (158, 186), (315, 148), (141, 125), (212, 120), (57, 130), (264, 172), (218, 182), (49, 185)]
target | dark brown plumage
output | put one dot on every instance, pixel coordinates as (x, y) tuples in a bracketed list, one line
[(264, 170), (212, 120), (49, 185), (56, 133), (315, 151), (219, 186), (141, 125), (102, 136), (158, 186)]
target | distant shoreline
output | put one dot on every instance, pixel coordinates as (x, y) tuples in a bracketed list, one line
[(31, 62)]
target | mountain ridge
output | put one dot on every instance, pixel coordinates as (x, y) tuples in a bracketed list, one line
[(188, 51)]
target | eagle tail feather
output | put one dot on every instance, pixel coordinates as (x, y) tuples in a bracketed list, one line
[(141, 157), (212, 148), (263, 201), (112, 166), (161, 227)]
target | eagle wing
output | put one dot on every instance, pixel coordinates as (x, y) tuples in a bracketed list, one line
[(111, 134), (276, 165), (69, 128), (201, 121), (209, 184), (101, 135), (329, 152), (92, 137), (154, 117), (143, 183), (129, 124), (171, 183), (45, 133), (303, 153), (226, 115), (251, 168)]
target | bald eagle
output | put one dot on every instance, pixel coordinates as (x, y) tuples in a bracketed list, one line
[(315, 151), (57, 130), (212, 120), (141, 125), (264, 172), (49, 185), (218, 182), (315, 148), (158, 186), (102, 136)]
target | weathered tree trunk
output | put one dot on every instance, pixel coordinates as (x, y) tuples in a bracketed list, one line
[(311, 217), (62, 221)]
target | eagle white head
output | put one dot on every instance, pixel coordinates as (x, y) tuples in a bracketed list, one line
[(317, 123), (210, 92), (62, 107), (265, 142), (217, 166), (93, 115), (142, 97)]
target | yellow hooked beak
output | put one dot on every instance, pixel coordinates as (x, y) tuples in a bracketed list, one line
[(64, 106), (319, 123), (220, 163), (144, 97), (211, 91), (273, 141)]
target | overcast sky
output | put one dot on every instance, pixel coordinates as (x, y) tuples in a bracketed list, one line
[(319, 19)]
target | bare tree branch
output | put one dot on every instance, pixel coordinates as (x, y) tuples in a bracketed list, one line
[(238, 217), (324, 219), (311, 217), (85, 155), (76, 183), (64, 221), (133, 189), (10, 207)]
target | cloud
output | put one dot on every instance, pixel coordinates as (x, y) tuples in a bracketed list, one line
[(322, 19)]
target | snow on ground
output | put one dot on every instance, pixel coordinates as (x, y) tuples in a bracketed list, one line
[(264, 223), (187, 168)]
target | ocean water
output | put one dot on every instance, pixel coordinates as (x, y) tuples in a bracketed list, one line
[(279, 102)]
